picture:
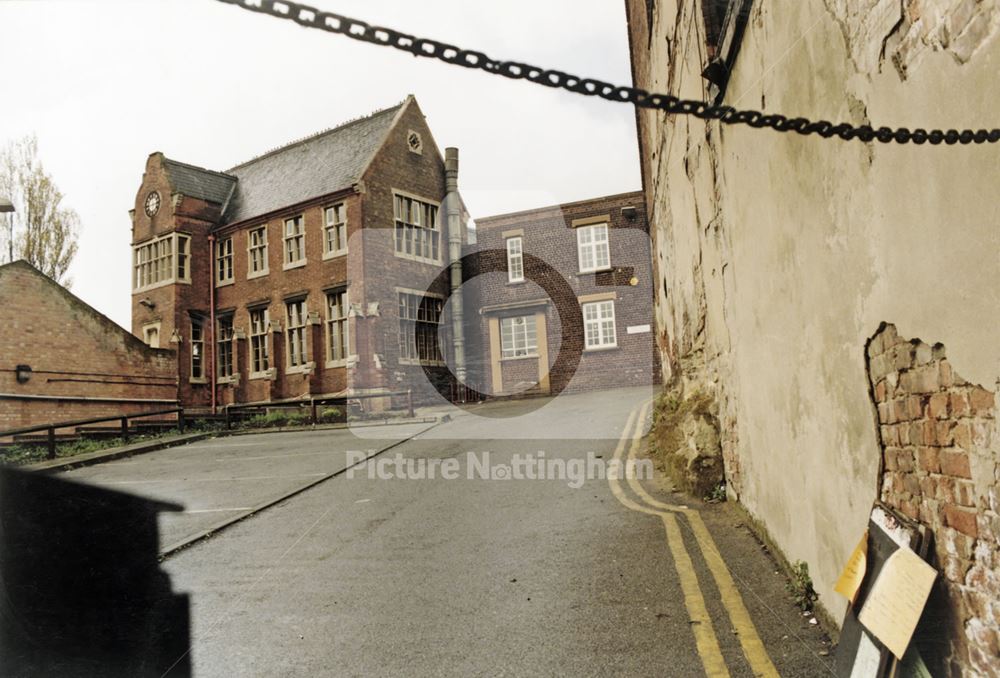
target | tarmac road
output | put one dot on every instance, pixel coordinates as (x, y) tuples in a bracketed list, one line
[(399, 576)]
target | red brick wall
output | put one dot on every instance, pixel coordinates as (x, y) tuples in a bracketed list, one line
[(550, 238), (940, 467), (423, 176), (75, 354), (314, 279)]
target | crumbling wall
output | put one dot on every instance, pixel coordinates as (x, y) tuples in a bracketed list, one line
[(940, 467), (776, 255)]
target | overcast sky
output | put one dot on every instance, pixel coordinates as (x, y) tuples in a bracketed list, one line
[(104, 83)]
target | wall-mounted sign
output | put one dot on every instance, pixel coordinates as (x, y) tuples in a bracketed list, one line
[(638, 329)]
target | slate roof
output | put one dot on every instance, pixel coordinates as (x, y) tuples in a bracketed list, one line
[(200, 183), (323, 163)]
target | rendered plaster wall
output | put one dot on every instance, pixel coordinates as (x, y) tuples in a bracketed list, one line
[(778, 256)]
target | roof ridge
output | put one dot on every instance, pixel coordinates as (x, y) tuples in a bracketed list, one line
[(317, 135), (200, 169)]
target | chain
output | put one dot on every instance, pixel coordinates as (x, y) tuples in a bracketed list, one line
[(356, 29)]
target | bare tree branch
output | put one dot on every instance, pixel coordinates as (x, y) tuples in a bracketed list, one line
[(45, 232)]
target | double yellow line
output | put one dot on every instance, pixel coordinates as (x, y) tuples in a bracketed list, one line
[(704, 633)]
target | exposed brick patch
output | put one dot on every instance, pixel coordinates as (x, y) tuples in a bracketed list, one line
[(940, 466)]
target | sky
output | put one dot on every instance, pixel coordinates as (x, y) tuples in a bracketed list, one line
[(104, 83)]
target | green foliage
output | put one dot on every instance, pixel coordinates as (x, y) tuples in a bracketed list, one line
[(718, 494), (800, 586), (332, 415), (278, 418)]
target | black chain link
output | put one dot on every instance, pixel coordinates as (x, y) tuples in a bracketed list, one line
[(356, 29)]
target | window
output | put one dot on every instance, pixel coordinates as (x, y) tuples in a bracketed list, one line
[(335, 230), (197, 350), (183, 257), (257, 246), (419, 321), (592, 247), (725, 24), (259, 327), (296, 332), (337, 342), (518, 336), (153, 261), (224, 343), (224, 261), (599, 325), (418, 233), (515, 260), (295, 242), (151, 335)]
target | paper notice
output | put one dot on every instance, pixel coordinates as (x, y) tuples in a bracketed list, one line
[(897, 599), (854, 572)]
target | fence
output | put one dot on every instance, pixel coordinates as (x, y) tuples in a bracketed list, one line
[(313, 404), (51, 428)]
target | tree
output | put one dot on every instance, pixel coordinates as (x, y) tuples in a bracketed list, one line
[(45, 232)]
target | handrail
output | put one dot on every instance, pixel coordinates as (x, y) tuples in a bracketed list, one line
[(51, 428), (313, 402)]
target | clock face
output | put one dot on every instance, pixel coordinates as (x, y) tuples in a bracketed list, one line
[(152, 203)]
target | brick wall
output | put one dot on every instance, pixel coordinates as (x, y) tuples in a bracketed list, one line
[(422, 175), (76, 355), (552, 270), (940, 467)]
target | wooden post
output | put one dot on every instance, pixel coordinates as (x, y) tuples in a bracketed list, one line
[(52, 442), (125, 429)]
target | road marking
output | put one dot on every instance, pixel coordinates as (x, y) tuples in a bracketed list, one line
[(218, 510), (216, 446), (753, 646), (704, 634)]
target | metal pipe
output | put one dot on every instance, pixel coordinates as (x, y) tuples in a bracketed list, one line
[(453, 204)]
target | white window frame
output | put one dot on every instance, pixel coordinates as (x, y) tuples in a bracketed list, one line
[(518, 337), (432, 234), (225, 342), (166, 258), (224, 269), (300, 236), (260, 352), (341, 325), (588, 243), (595, 329), (515, 259), (198, 351), (337, 227), (259, 247), (146, 330), (296, 334)]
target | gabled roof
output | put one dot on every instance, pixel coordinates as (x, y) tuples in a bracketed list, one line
[(200, 183), (318, 165)]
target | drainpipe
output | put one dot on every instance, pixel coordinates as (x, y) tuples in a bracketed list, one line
[(454, 216), (210, 349)]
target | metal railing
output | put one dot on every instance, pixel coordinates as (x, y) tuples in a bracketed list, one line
[(51, 428), (313, 404)]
